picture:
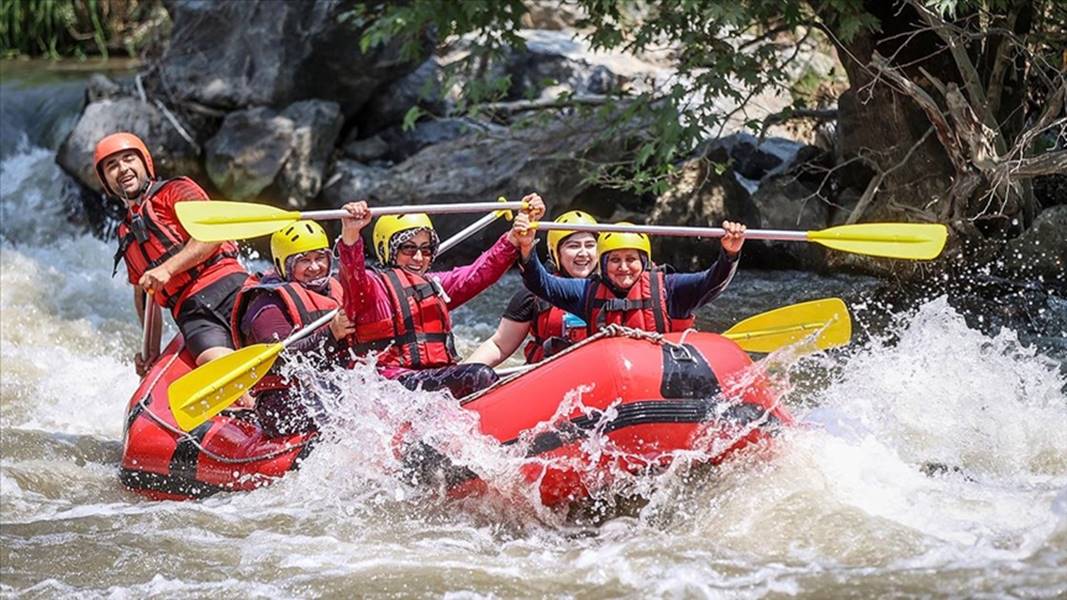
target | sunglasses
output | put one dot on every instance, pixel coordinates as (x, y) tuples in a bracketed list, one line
[(410, 249)]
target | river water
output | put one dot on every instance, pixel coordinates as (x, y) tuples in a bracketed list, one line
[(931, 459)]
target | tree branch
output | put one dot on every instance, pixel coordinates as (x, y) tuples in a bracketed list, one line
[(1000, 65), (1049, 163), (945, 134), (971, 81), (820, 114), (876, 181), (518, 106)]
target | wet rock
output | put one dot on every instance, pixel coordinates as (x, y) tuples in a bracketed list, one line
[(544, 70), (248, 152), (479, 168), (101, 87), (366, 150), (703, 194), (403, 144), (286, 51), (172, 154), (773, 155), (350, 181), (316, 125), (421, 87), (1041, 251), (259, 148), (784, 202)]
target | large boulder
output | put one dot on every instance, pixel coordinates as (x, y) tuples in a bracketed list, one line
[(1040, 252), (172, 154), (422, 87), (248, 152), (403, 144), (784, 202), (286, 51), (279, 155), (350, 181), (703, 194), (316, 125), (481, 167)]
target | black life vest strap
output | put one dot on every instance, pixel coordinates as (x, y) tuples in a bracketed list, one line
[(409, 338), (654, 279)]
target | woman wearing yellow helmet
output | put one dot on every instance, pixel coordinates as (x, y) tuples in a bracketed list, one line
[(630, 290), (573, 254), (297, 291), (402, 313)]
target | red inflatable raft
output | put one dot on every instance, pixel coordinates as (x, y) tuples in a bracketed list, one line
[(227, 453), (649, 398)]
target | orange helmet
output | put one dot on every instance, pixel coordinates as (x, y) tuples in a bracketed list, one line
[(117, 142)]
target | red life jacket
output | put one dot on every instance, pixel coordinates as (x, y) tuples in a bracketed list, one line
[(145, 242), (549, 323), (302, 306), (644, 307), (419, 335)]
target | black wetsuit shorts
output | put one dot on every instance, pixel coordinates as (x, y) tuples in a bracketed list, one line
[(204, 318)]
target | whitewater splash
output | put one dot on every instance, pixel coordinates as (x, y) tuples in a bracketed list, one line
[(931, 458)]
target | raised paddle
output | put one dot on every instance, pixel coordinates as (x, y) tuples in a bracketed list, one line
[(152, 332), (208, 389), (915, 241), (475, 227), (781, 327), (218, 221)]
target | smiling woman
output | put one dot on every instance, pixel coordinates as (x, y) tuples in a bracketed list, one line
[(573, 254), (402, 313)]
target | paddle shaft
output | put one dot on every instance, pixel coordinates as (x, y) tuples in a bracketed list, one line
[(468, 231), (429, 209), (309, 328), (706, 232), (149, 338)]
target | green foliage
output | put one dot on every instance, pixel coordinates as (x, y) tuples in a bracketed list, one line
[(726, 53), (57, 28)]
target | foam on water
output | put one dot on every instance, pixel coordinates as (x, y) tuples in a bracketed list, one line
[(839, 504)]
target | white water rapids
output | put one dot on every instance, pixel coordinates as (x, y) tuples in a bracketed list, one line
[(931, 461)]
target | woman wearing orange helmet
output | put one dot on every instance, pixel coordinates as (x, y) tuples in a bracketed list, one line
[(630, 290), (573, 254), (197, 281)]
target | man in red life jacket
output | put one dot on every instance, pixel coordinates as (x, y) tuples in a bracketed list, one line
[(197, 281)]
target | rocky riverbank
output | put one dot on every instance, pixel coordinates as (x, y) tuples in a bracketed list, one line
[(277, 102)]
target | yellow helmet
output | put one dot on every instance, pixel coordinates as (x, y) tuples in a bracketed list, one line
[(555, 237), (298, 238), (390, 225), (613, 240)]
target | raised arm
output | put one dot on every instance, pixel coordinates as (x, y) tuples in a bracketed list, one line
[(364, 297), (687, 292), (568, 294)]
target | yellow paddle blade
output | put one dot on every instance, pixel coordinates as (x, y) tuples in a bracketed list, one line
[(769, 331), (218, 221), (915, 241), (207, 390)]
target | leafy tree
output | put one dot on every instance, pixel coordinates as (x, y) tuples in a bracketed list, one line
[(953, 106)]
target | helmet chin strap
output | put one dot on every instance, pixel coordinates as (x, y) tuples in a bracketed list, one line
[(122, 195)]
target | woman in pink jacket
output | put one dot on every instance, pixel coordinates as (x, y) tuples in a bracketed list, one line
[(401, 312)]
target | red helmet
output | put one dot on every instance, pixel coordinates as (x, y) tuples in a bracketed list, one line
[(117, 142)]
